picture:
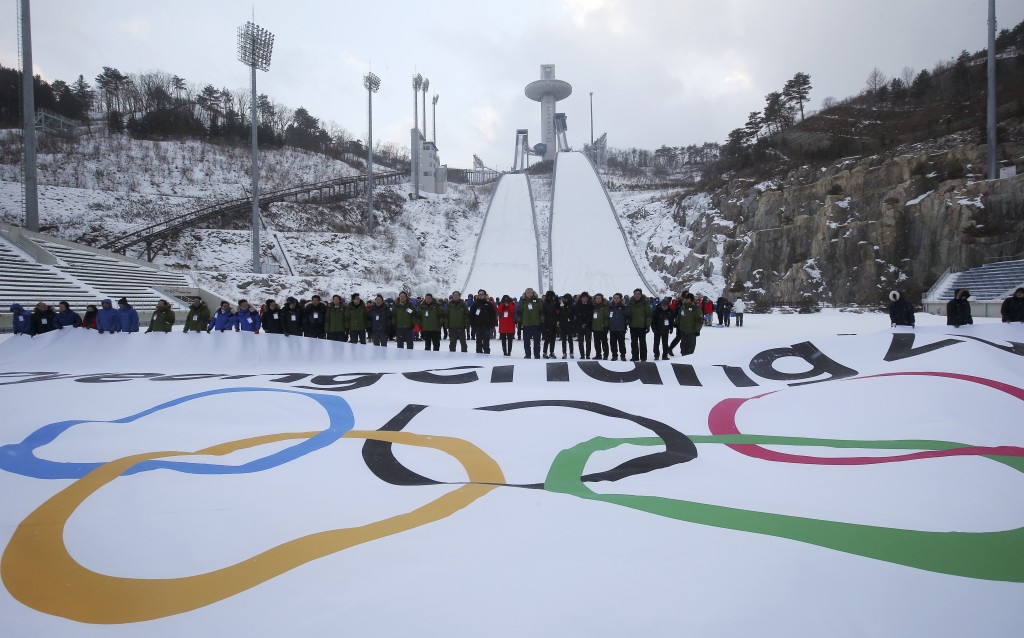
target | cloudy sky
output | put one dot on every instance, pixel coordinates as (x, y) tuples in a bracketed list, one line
[(670, 72)]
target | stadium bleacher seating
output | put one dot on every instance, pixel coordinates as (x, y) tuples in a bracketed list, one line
[(989, 282), (24, 281)]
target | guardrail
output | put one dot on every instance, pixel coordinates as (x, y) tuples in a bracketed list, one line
[(181, 222)]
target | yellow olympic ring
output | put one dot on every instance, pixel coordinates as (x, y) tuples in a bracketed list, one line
[(38, 571)]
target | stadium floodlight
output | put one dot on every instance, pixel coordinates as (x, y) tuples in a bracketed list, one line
[(255, 46), (372, 84), (433, 117), (426, 87), (415, 145)]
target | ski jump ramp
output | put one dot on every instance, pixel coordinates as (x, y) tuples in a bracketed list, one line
[(507, 259), (588, 244)]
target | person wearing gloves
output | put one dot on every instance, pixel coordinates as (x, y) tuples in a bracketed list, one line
[(380, 321), (198, 316), (690, 320), (355, 320), (89, 320), (662, 320), (483, 316), (457, 321), (127, 317), (617, 323), (107, 319), (246, 318), (507, 324), (66, 317), (958, 310), (431, 319), (583, 318), (162, 319), (291, 318), (270, 318), (530, 314), (901, 312), (599, 324)]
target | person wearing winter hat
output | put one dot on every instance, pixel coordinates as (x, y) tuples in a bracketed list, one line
[(42, 319), (128, 319), (958, 310), (1012, 309), (20, 320), (107, 319), (901, 311), (291, 318)]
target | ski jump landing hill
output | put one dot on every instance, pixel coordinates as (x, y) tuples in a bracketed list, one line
[(588, 243), (507, 258)]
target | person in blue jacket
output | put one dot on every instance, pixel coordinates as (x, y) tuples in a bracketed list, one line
[(246, 319), (223, 319), (66, 317), (127, 317), (107, 319), (20, 320)]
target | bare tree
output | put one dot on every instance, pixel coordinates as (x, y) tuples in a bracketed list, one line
[(907, 75), (876, 80)]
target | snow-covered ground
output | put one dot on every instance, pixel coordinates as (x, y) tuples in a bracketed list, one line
[(506, 256), (588, 249), (809, 475)]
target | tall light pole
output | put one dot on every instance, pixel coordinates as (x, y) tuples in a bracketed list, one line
[(417, 83), (255, 45), (28, 107), (426, 86), (372, 84), (993, 170), (591, 118), (433, 117)]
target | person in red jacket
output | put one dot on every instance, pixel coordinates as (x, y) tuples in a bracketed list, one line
[(708, 308), (507, 324)]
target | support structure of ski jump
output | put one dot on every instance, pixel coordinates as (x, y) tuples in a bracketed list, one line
[(507, 258), (588, 245)]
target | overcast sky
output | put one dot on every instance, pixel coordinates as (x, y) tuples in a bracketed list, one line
[(672, 72)]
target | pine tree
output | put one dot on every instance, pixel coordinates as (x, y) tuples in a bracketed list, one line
[(797, 90)]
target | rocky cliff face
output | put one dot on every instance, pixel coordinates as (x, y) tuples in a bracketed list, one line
[(851, 232)]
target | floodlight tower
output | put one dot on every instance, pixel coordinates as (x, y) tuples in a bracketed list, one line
[(548, 91), (417, 84), (433, 117), (255, 45), (425, 88), (372, 84), (28, 106)]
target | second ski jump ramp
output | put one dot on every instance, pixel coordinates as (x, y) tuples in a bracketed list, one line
[(506, 259), (588, 246)]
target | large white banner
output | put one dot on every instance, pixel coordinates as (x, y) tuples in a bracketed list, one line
[(239, 484)]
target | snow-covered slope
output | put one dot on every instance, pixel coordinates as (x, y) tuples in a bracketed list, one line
[(506, 256), (588, 250)]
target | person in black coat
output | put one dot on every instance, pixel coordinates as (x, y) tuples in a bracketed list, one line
[(901, 312), (1013, 307), (270, 318), (567, 323), (549, 331), (291, 318), (483, 316), (958, 310), (662, 320), (379, 317), (583, 316), (314, 317), (42, 319)]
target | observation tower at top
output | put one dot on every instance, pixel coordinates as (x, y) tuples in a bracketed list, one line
[(547, 90)]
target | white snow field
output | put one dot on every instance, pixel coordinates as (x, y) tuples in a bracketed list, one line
[(588, 250), (803, 476), (506, 253)]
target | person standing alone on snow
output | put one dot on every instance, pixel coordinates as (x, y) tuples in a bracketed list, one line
[(901, 312), (739, 307)]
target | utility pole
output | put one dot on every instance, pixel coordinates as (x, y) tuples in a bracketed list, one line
[(28, 107), (993, 168)]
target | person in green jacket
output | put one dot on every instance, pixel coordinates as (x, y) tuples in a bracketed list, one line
[(163, 317), (355, 320), (530, 314), (599, 324), (403, 315), (431, 319), (335, 320), (457, 320), (690, 321), (198, 316), (639, 311)]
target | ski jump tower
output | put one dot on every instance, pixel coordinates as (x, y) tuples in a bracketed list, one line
[(548, 91)]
